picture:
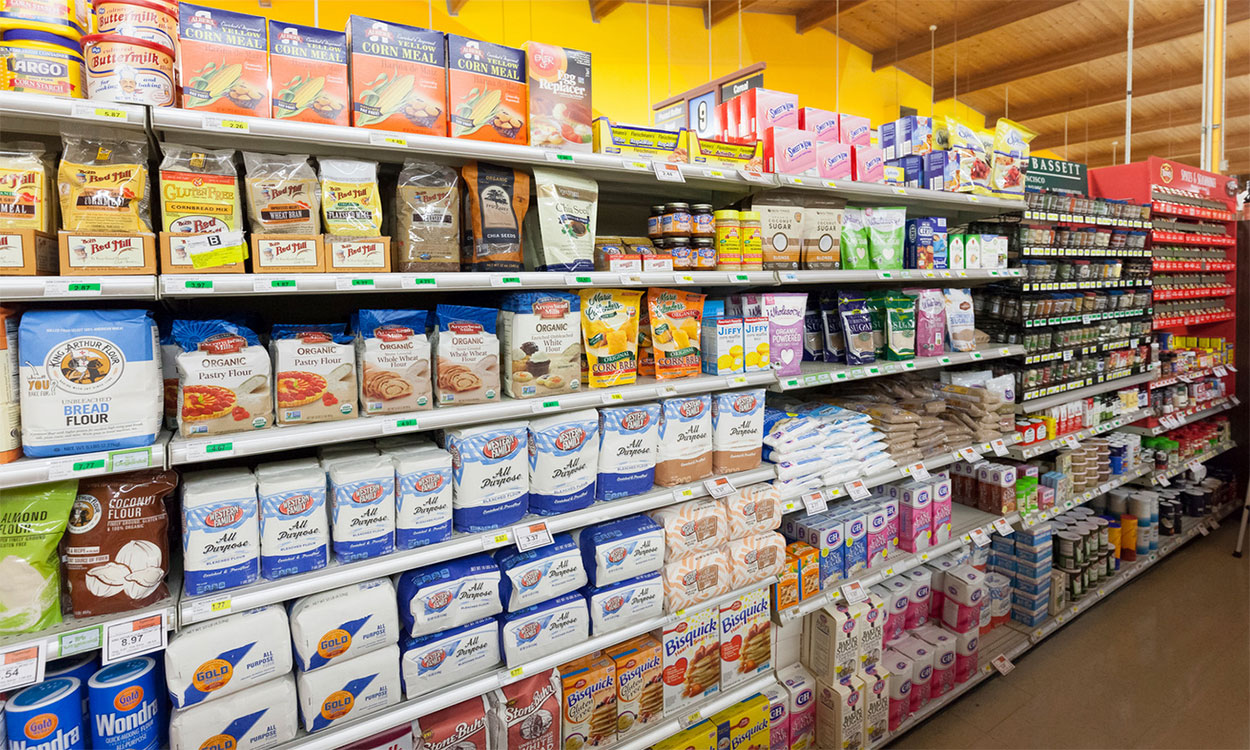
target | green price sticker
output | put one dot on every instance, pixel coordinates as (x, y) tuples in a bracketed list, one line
[(510, 280), (564, 157), (362, 282), (583, 279), (89, 465), (197, 285), (282, 284), (551, 404), (402, 423), (219, 448), (84, 287)]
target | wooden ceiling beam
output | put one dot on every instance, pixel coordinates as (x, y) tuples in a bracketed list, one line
[(723, 9), (1115, 129), (454, 6), (820, 12), (965, 27), (1006, 71), (599, 9)]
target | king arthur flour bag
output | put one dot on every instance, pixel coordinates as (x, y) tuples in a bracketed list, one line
[(314, 373), (564, 457), (542, 344), (393, 357), (90, 381), (223, 378)]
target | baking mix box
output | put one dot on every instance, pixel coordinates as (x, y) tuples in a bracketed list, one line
[(398, 77), (308, 73), (223, 61), (487, 96), (691, 659), (746, 637), (559, 97)]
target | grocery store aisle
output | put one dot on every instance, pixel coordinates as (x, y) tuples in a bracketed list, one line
[(1162, 663)]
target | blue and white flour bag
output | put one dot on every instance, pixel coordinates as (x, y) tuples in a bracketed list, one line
[(535, 632), (423, 496), (262, 716), (362, 508), (125, 706), (490, 471), (438, 660), (90, 381), (349, 689), (207, 660), (628, 437), (220, 530), (340, 624), (536, 575), (625, 603), (618, 550), (444, 595), (294, 525), (564, 459)]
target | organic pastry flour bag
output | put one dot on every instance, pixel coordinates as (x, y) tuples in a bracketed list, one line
[(314, 372), (223, 378), (90, 381)]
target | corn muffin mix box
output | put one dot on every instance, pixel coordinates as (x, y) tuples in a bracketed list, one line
[(398, 76)]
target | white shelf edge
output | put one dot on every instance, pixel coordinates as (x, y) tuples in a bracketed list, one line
[(1025, 452), (66, 288), (1046, 402), (719, 702), (71, 626), (818, 373), (27, 471)]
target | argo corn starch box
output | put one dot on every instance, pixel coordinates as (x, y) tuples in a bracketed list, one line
[(308, 73), (486, 91), (223, 61), (398, 77)]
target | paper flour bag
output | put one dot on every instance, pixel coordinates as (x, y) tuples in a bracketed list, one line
[(438, 660), (423, 496), (629, 437), (490, 471), (294, 525), (534, 576), (685, 440), (564, 458), (541, 337), (314, 373), (220, 530), (334, 626), (466, 355), (90, 381), (737, 430), (362, 508), (393, 361), (224, 381), (442, 596)]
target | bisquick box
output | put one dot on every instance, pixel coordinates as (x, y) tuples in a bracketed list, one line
[(623, 603), (435, 661), (743, 725), (535, 632), (620, 550), (536, 575), (453, 593)]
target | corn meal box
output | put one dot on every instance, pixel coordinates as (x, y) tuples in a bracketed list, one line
[(398, 77), (486, 91), (691, 659), (588, 702), (639, 685), (223, 61), (559, 97), (308, 73), (744, 725), (746, 637)]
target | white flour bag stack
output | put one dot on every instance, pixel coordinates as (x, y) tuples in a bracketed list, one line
[(564, 459), (294, 527), (490, 470), (220, 530)]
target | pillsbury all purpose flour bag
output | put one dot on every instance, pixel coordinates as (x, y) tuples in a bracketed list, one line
[(490, 471), (90, 381)]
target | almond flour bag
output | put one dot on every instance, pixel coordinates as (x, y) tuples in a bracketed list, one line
[(427, 218), (314, 373), (393, 359), (466, 355), (610, 335), (32, 520), (103, 182), (350, 203), (497, 199), (283, 195), (223, 379), (676, 320)]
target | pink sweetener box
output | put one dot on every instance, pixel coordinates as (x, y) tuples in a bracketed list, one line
[(789, 151), (822, 122), (854, 130), (833, 160), (867, 164), (761, 109)]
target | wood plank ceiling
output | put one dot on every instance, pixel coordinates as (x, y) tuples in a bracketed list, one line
[(1058, 66)]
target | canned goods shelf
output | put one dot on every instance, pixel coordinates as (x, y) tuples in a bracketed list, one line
[(819, 373), (65, 288), (1063, 286), (27, 471), (1025, 452)]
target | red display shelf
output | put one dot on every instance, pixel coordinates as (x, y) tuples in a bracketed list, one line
[(1162, 293), (1191, 320), (1189, 376), (1190, 238), (1192, 212), (1164, 264)]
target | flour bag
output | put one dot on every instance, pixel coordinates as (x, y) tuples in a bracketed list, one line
[(564, 458), (393, 358), (490, 474), (628, 438), (224, 382), (90, 381)]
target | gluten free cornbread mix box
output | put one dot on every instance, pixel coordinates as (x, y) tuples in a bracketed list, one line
[(223, 61), (487, 97), (398, 77)]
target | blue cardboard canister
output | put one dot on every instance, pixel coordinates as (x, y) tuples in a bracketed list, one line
[(82, 667), (125, 706), (46, 715)]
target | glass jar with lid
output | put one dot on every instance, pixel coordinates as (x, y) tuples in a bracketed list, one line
[(702, 223), (676, 221), (654, 222)]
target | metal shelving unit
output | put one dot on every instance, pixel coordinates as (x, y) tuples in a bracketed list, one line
[(819, 373), (27, 471)]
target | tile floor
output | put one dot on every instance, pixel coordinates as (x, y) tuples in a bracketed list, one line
[(1163, 663)]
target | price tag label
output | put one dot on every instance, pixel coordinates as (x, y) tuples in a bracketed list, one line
[(1236, 401), (1000, 448), (134, 637), (636, 165), (197, 285), (1203, 530), (208, 250), (572, 280), (403, 424), (815, 502), (683, 494), (361, 284), (209, 451), (505, 281), (1220, 371), (613, 398), (229, 126), (203, 609), (1003, 527), (1071, 442), (665, 172), (979, 537), (495, 540), (1002, 664), (565, 158), (530, 536), (78, 641), (969, 454), (99, 113), (72, 289), (21, 666), (541, 406), (854, 592), (919, 472), (690, 720), (719, 487), (388, 139), (419, 282), (857, 490)]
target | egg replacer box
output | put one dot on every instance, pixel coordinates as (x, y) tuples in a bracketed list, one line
[(308, 70), (438, 597), (223, 61), (559, 97), (398, 77), (486, 91)]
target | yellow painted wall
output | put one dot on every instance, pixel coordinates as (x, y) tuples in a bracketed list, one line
[(804, 64)]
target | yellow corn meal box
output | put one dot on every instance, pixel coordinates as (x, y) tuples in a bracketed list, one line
[(308, 74), (744, 726), (701, 736), (676, 320), (398, 77), (610, 335)]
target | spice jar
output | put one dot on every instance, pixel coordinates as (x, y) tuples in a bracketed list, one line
[(702, 223), (728, 241), (752, 240), (676, 220), (654, 230), (703, 254), (679, 247)]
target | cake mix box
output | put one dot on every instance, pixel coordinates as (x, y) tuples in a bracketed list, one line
[(398, 77), (308, 72), (486, 91), (223, 61), (559, 97), (691, 659)]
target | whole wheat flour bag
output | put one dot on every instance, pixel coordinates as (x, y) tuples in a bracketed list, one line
[(542, 343), (32, 519), (497, 199), (283, 195), (427, 218), (393, 359), (466, 355), (685, 447), (90, 381), (314, 373), (116, 548), (223, 378)]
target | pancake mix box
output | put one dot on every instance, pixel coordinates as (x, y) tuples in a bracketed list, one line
[(691, 659)]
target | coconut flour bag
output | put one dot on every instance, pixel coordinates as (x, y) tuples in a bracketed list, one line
[(393, 361), (466, 355), (90, 381), (223, 378), (427, 218), (542, 343), (32, 520), (565, 217)]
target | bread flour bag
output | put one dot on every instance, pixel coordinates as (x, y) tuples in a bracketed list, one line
[(490, 472), (294, 525), (116, 548), (446, 595), (542, 343), (220, 530), (362, 508), (314, 373), (628, 441), (737, 430), (393, 361), (466, 355), (223, 379), (90, 381), (423, 496), (439, 660), (32, 520), (526, 713), (536, 575), (564, 460), (685, 440), (334, 626)]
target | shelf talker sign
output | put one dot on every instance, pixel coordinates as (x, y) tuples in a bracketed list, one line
[(1056, 175)]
